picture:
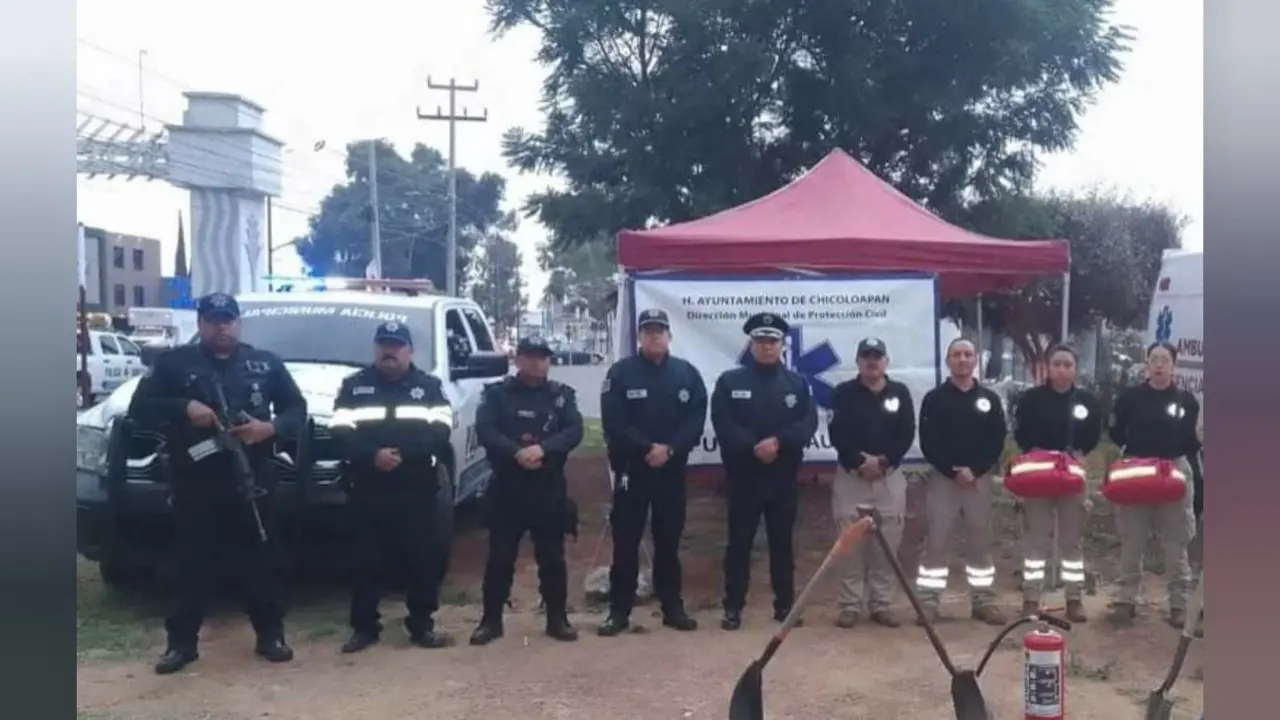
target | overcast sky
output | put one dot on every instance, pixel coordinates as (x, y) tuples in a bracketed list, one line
[(347, 71)]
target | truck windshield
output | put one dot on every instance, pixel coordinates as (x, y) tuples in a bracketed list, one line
[(339, 333)]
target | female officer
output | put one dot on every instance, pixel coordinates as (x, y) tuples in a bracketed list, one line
[(1157, 420), (1056, 416)]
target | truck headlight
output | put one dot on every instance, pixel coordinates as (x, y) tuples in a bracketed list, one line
[(91, 449)]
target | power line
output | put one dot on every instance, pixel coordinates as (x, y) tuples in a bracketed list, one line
[(451, 263)]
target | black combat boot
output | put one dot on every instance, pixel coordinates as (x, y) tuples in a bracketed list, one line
[(780, 614), (487, 631), (359, 641), (424, 635), (175, 659), (559, 627), (677, 619), (614, 625), (732, 620), (273, 649)]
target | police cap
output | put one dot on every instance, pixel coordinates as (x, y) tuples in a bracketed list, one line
[(766, 326), (872, 346), (654, 317), (533, 345), (217, 306), (393, 332)]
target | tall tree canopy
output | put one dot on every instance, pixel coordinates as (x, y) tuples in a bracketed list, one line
[(664, 110), (1116, 246), (413, 212), (581, 277), (497, 285)]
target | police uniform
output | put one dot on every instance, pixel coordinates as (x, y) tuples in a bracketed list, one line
[(960, 428), (1157, 424), (645, 402), (748, 405), (1070, 421), (393, 512), (514, 414), (880, 424), (210, 517)]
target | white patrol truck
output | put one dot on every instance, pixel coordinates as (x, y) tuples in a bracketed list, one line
[(322, 336), (111, 360)]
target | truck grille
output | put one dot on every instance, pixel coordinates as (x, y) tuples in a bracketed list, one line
[(145, 447)]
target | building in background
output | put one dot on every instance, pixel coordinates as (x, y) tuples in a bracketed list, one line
[(123, 272)]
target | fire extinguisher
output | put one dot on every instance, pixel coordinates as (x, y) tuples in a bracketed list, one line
[(1045, 673)]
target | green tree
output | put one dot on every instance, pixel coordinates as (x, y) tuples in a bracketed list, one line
[(581, 276), (413, 214), (498, 285), (1116, 246), (659, 111)]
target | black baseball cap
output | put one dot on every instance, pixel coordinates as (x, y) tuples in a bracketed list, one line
[(393, 332), (219, 306), (533, 345), (653, 316), (872, 346)]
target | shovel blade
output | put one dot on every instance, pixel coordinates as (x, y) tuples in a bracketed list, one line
[(747, 702), (966, 695), (1159, 707)]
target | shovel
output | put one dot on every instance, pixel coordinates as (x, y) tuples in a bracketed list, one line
[(747, 702), (966, 695), (1159, 704)]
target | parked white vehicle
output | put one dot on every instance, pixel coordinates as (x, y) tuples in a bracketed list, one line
[(1177, 317), (112, 360)]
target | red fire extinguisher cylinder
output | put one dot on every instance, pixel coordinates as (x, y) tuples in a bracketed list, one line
[(1045, 678)]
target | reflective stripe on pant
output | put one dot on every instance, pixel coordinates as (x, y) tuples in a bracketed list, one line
[(1174, 524), (1037, 545), (865, 572), (945, 503)]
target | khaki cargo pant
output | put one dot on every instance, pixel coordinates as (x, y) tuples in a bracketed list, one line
[(1174, 524), (945, 504), (865, 573), (1037, 545)]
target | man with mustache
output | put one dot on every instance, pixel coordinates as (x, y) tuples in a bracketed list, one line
[(209, 516), (393, 422)]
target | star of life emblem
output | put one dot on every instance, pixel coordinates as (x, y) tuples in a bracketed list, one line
[(417, 393), (790, 400), (983, 405), (683, 395), (892, 404), (1080, 412), (1175, 410)]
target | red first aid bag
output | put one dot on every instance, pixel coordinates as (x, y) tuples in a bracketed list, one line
[(1045, 474), (1144, 481)]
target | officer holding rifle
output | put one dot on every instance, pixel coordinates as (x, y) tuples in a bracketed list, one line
[(205, 397)]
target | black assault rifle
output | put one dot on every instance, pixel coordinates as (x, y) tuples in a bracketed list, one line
[(245, 485)]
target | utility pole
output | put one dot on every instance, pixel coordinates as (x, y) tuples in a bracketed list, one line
[(451, 263), (374, 270), (142, 115)]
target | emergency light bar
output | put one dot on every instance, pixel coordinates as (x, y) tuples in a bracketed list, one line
[(303, 283)]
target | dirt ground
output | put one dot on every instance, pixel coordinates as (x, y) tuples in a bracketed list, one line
[(656, 674)]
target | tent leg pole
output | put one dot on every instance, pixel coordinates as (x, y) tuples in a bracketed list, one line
[(1066, 303), (980, 344)]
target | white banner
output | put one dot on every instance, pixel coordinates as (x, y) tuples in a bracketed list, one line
[(828, 316)]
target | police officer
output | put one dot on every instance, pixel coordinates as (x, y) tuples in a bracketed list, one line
[(764, 416), (1156, 420), (527, 425), (1056, 416), (393, 421), (182, 394), (872, 426), (962, 434), (653, 407)]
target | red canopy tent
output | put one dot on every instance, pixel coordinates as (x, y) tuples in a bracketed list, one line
[(840, 217)]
